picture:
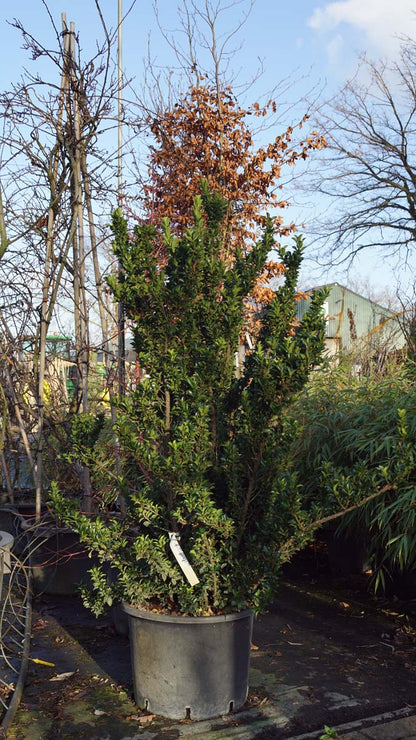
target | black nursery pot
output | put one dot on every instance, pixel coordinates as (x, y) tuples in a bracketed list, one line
[(59, 562), (190, 667)]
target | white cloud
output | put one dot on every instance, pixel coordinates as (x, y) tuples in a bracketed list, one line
[(335, 48), (381, 20)]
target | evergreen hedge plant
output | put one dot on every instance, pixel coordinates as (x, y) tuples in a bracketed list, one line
[(204, 451)]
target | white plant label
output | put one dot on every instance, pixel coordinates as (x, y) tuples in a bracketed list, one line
[(182, 560)]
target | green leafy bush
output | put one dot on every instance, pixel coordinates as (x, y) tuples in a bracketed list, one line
[(357, 442), (204, 452)]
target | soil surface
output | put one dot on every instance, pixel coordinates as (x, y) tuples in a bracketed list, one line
[(327, 653)]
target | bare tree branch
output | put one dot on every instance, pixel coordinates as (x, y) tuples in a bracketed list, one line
[(368, 175)]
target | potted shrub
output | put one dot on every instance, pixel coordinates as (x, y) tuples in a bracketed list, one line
[(209, 499)]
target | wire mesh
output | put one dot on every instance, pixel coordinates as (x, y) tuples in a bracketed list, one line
[(39, 548), (15, 606)]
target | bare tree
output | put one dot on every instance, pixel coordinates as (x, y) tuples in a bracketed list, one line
[(200, 50), (206, 45), (369, 173), (55, 174)]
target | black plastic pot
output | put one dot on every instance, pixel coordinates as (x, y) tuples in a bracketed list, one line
[(349, 552), (59, 561), (8, 519), (190, 667), (120, 620)]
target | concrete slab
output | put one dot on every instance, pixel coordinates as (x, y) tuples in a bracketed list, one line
[(400, 729)]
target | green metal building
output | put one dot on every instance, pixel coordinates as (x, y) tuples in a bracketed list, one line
[(354, 323)]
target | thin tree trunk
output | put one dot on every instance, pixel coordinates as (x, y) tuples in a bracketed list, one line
[(3, 236), (23, 433), (4, 465), (7, 479), (45, 308), (103, 313), (78, 209), (81, 307), (41, 369)]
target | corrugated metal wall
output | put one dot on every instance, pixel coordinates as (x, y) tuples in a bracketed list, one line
[(352, 318)]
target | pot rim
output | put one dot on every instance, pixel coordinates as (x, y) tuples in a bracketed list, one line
[(135, 611)]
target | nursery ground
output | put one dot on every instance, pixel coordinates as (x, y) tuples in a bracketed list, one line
[(326, 654)]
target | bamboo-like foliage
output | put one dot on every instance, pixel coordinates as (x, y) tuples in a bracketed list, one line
[(357, 443)]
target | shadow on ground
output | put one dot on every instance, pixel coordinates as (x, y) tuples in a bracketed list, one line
[(326, 654)]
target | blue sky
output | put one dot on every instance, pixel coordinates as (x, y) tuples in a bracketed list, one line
[(310, 42)]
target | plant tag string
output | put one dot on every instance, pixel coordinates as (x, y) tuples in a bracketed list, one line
[(182, 560)]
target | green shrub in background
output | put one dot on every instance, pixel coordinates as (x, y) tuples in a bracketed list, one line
[(357, 441)]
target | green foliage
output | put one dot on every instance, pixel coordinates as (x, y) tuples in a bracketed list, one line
[(329, 732), (358, 438), (84, 434), (204, 452)]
